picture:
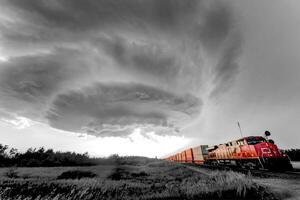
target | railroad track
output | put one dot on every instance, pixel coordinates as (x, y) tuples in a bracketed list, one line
[(254, 172)]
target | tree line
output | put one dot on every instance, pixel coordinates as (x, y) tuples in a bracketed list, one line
[(294, 154), (42, 157)]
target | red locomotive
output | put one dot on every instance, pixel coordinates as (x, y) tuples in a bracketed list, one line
[(247, 152)]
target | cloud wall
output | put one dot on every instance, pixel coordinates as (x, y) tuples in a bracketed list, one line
[(108, 67)]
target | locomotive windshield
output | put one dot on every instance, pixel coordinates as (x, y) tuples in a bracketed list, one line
[(255, 140)]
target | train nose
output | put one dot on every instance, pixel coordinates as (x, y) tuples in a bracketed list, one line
[(266, 150)]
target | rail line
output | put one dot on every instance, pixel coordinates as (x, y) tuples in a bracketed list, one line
[(254, 172)]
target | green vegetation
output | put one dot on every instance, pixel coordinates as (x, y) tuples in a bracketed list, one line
[(127, 178)]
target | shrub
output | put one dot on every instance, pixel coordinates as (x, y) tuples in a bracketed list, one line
[(76, 174), (12, 173), (119, 174), (139, 174), (160, 163)]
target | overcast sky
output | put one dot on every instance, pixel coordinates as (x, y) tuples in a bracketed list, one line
[(138, 77)]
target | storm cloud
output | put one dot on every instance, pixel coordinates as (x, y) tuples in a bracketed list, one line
[(116, 107), (29, 82), (107, 67)]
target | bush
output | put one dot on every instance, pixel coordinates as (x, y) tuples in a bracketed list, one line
[(140, 174), (12, 173), (121, 173), (76, 174)]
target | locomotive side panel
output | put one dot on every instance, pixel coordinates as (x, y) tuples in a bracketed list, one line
[(189, 155), (200, 153)]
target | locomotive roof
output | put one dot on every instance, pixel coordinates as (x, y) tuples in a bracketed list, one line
[(252, 137)]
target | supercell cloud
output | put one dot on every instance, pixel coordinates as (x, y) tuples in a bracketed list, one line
[(108, 67), (115, 109)]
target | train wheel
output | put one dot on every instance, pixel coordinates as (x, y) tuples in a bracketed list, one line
[(250, 165)]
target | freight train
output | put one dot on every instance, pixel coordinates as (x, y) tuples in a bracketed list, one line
[(252, 152)]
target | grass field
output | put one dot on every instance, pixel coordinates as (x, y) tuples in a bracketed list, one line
[(144, 179)]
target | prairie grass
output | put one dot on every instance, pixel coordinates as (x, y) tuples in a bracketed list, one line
[(52, 172), (148, 179)]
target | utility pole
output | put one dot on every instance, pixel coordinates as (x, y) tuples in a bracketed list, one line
[(238, 123)]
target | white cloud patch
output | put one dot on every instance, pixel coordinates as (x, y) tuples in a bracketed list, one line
[(19, 122), (3, 59)]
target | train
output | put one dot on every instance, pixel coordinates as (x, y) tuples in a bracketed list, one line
[(251, 152)]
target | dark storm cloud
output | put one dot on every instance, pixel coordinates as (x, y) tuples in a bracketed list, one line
[(57, 50), (112, 107), (146, 59), (28, 82), (217, 24), (89, 14), (227, 66), (44, 22)]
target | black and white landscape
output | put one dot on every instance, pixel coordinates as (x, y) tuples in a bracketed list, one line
[(145, 78)]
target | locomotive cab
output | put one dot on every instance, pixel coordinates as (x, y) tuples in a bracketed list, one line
[(268, 153), (253, 140)]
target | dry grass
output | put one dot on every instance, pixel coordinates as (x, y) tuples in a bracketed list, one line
[(52, 172), (153, 179)]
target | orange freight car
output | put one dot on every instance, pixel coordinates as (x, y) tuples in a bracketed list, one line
[(189, 155), (200, 153), (183, 156)]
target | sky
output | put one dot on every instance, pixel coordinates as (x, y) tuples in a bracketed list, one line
[(150, 77)]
